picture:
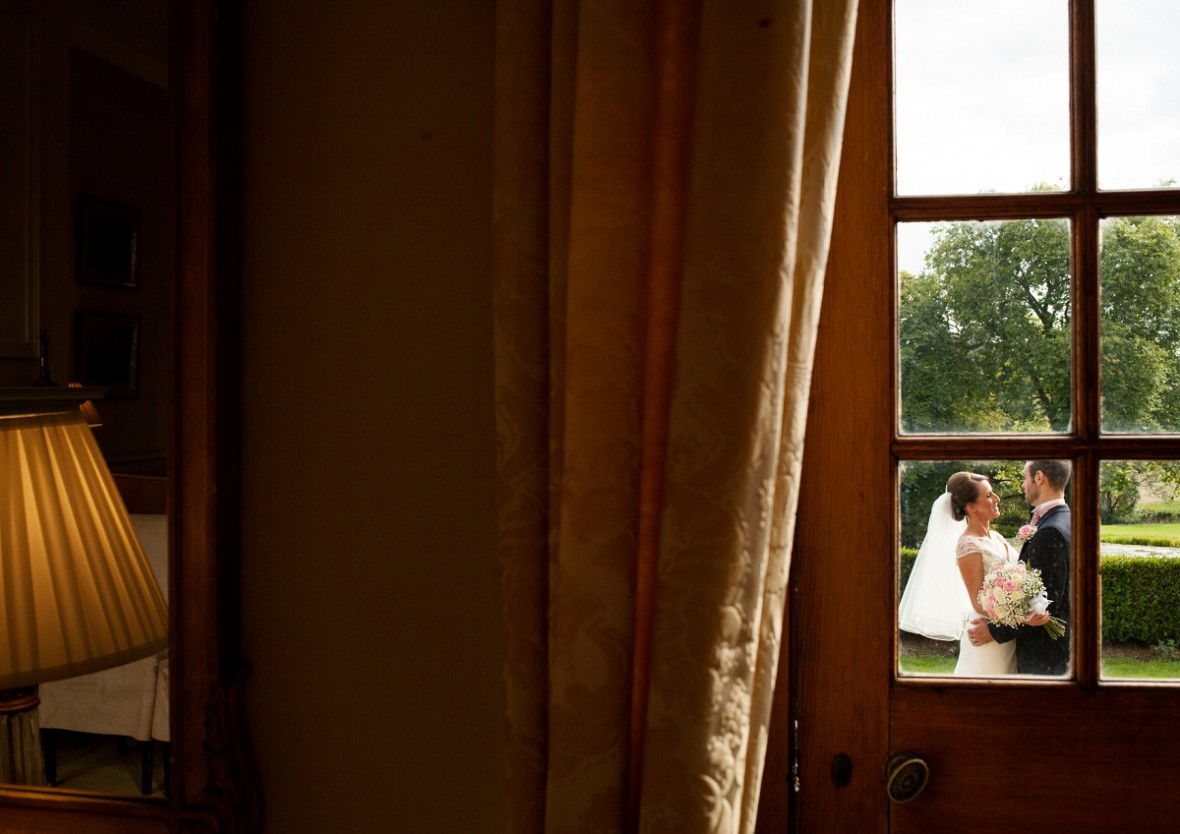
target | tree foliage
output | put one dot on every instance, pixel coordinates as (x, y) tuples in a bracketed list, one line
[(985, 329), (1141, 324), (985, 335)]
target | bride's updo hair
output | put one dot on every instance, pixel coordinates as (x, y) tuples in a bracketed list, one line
[(964, 489)]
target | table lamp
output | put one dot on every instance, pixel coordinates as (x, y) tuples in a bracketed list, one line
[(77, 593)]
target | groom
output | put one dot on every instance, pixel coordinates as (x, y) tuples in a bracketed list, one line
[(1048, 550)]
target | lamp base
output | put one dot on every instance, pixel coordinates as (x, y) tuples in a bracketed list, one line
[(20, 738)]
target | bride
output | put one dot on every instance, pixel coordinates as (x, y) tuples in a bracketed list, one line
[(959, 549)]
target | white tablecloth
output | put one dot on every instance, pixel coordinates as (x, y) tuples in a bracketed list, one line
[(128, 700)]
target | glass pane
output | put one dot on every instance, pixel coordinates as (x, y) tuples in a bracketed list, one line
[(1140, 569), (984, 326), (990, 554), (1138, 74), (1140, 277), (981, 96)]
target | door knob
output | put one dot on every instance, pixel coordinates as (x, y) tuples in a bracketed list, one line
[(906, 775)]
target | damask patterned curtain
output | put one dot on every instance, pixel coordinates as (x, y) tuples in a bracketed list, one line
[(665, 176)]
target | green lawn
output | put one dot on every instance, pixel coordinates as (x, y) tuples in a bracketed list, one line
[(1160, 535), (1112, 667), (927, 665), (1125, 667)]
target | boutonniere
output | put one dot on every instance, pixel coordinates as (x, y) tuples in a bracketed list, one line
[(1026, 532)]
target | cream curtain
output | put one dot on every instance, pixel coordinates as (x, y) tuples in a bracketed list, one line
[(665, 175)]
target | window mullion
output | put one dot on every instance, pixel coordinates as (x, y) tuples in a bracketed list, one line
[(1087, 403), (1083, 98), (1087, 396)]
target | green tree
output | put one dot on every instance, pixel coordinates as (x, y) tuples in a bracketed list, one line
[(984, 338), (1118, 490), (1140, 323), (985, 329)]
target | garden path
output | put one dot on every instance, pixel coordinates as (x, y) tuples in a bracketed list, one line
[(1110, 549)]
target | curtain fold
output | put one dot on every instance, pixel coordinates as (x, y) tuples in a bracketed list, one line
[(664, 174)]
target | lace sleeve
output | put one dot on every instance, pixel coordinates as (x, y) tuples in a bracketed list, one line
[(967, 545)]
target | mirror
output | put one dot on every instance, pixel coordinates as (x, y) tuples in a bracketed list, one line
[(212, 784), (90, 272)]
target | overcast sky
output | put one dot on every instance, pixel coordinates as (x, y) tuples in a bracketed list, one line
[(983, 100)]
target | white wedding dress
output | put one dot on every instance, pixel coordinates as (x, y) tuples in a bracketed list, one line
[(991, 658)]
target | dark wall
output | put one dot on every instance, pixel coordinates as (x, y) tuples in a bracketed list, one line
[(98, 124), (369, 589), (120, 150)]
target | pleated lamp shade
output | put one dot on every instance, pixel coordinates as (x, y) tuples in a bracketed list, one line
[(77, 593)]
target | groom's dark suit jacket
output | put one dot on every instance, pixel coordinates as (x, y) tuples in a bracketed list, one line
[(1048, 551)]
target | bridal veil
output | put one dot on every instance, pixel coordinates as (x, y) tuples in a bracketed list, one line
[(935, 602)]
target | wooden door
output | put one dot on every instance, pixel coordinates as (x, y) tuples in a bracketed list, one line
[(1081, 754)]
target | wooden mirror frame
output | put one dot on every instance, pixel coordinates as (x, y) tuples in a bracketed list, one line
[(213, 785)]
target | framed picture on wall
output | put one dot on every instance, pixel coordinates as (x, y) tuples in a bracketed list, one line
[(108, 243), (107, 352)]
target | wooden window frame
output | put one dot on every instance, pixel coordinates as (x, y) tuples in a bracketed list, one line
[(1084, 207)]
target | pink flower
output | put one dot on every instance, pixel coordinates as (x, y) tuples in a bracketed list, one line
[(1026, 532)]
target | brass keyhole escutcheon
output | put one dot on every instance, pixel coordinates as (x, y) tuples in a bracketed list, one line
[(905, 776)]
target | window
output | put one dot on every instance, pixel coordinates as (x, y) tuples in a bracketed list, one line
[(1103, 740), (1037, 234)]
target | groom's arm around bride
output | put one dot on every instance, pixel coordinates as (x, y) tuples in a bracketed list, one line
[(1048, 551)]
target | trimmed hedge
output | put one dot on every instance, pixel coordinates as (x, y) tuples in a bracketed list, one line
[(908, 555), (1140, 599), (1140, 596), (1161, 513)]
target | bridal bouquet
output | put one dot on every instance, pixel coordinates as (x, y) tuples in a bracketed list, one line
[(1012, 591)]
